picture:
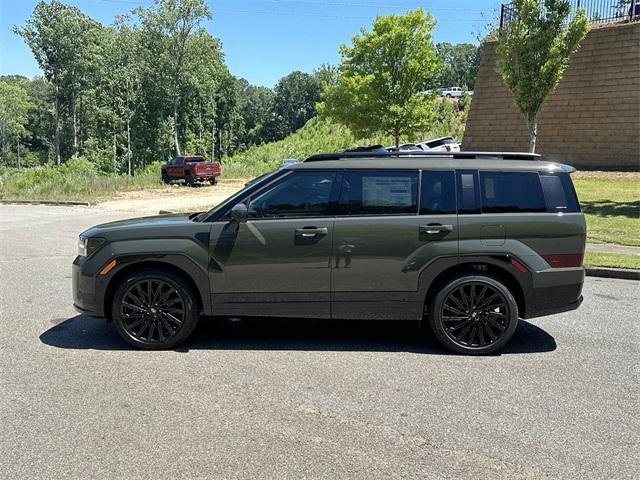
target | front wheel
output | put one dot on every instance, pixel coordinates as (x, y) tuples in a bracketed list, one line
[(474, 314), (165, 177), (154, 310)]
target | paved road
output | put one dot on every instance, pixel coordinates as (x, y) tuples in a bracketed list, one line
[(298, 399)]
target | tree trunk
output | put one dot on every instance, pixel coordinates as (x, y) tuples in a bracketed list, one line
[(74, 107), (18, 147), (175, 125), (533, 132), (57, 122), (396, 138), (213, 129), (200, 120), (115, 161), (128, 146)]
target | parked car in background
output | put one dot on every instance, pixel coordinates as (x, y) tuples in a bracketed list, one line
[(443, 144), (406, 147), (191, 169), (450, 92)]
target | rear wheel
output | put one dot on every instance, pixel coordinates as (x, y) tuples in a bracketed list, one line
[(189, 181), (474, 314), (154, 310), (213, 180)]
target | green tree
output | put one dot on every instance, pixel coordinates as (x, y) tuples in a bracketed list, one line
[(174, 21), (381, 76), (65, 43), (294, 103), (14, 105), (460, 65), (534, 51)]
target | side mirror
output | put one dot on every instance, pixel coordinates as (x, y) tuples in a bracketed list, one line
[(239, 213)]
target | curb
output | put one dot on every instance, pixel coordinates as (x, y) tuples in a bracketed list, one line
[(45, 202), (604, 272)]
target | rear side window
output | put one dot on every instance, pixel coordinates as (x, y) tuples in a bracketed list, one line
[(559, 193), (380, 192), (438, 193), (511, 192)]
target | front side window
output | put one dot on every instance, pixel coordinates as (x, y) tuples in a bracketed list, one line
[(383, 192), (511, 192), (437, 193), (300, 194)]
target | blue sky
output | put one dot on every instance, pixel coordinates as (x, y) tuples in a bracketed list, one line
[(264, 40)]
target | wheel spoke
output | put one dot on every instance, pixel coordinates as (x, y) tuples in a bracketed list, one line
[(152, 310), (475, 314)]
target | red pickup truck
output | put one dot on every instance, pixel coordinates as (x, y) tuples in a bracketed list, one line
[(191, 169)]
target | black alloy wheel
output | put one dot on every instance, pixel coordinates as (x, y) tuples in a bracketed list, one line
[(154, 310), (474, 315)]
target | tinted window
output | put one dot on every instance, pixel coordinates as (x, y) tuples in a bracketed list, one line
[(559, 193), (468, 193), (511, 192), (300, 194), (438, 193), (380, 192), (194, 159)]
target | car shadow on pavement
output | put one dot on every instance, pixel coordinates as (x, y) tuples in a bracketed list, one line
[(82, 332)]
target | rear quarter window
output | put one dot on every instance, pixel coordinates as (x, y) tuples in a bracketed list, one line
[(559, 193), (511, 192)]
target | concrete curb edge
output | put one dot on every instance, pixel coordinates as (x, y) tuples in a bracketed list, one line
[(45, 202), (623, 273)]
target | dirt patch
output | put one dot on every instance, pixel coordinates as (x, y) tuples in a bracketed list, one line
[(175, 198)]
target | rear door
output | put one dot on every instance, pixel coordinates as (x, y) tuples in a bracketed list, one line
[(390, 225), (176, 169)]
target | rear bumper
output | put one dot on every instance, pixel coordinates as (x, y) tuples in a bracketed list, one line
[(555, 291)]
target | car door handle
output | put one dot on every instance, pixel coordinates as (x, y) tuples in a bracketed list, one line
[(434, 228), (307, 232)]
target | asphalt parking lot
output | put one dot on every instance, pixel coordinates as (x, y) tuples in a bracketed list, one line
[(294, 399)]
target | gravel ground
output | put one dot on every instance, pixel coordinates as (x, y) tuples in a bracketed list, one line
[(298, 399)]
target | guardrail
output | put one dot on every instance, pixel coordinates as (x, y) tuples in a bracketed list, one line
[(597, 11)]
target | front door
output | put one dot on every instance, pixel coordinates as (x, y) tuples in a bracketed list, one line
[(389, 231), (277, 264)]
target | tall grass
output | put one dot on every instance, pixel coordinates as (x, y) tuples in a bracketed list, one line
[(77, 179)]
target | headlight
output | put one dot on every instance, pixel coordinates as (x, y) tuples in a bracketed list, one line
[(87, 246)]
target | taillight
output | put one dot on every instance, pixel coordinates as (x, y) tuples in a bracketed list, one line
[(564, 260)]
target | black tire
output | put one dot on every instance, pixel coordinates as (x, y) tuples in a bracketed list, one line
[(474, 315), (213, 180), (165, 177), (154, 309), (189, 181)]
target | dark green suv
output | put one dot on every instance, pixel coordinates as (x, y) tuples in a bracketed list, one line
[(468, 242)]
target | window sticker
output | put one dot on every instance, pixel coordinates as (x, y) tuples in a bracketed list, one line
[(384, 191)]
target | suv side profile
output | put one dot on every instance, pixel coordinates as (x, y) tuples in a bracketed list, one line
[(467, 243)]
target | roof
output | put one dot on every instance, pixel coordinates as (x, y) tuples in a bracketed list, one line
[(511, 161)]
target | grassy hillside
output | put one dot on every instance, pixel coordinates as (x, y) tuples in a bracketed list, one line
[(323, 136), (316, 136)]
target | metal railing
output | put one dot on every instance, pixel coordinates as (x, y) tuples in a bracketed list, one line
[(597, 11)]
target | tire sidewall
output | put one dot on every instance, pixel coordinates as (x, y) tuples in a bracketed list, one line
[(435, 321), (190, 303)]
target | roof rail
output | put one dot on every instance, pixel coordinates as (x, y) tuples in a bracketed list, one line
[(456, 155)]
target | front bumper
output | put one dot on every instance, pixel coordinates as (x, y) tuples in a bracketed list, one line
[(84, 290)]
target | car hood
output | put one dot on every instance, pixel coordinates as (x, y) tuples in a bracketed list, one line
[(154, 221)]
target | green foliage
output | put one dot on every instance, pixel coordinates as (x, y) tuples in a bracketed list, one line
[(460, 65), (14, 104), (534, 51), (381, 76), (76, 179)]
